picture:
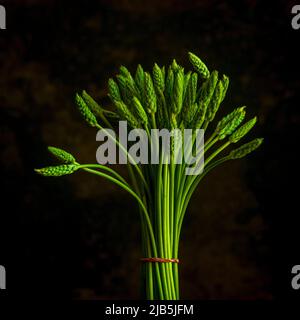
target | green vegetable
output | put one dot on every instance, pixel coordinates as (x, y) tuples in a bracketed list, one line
[(158, 78), (246, 149), (199, 66), (56, 171), (126, 114), (62, 155), (178, 91), (140, 111), (215, 101), (242, 131), (113, 89), (140, 78), (87, 114), (172, 99), (229, 123), (150, 96)]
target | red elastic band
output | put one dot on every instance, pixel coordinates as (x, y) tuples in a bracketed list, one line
[(161, 260)]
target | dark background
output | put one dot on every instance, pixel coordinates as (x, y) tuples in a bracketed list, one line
[(78, 236)]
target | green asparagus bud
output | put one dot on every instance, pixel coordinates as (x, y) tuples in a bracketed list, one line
[(129, 84), (215, 101), (62, 155), (205, 94), (230, 122), (163, 72), (57, 171), (125, 114), (125, 72), (122, 85), (200, 116), (113, 89), (139, 110), (225, 83), (199, 66), (126, 88), (169, 85), (174, 65), (245, 149), (190, 114), (150, 96), (208, 88), (158, 78), (85, 111), (186, 83), (190, 96), (131, 89), (242, 131), (178, 91), (92, 104), (139, 78)]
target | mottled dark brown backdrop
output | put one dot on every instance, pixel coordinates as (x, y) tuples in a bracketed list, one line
[(79, 236)]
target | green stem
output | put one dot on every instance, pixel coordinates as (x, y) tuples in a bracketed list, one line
[(166, 230), (145, 214), (189, 192), (105, 168), (137, 168), (214, 154), (159, 208)]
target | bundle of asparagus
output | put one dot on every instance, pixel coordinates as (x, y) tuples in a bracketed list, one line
[(170, 99)]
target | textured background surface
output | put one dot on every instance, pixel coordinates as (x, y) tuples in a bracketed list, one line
[(79, 236)]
